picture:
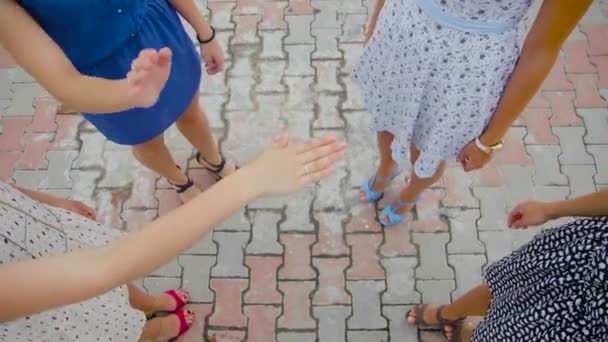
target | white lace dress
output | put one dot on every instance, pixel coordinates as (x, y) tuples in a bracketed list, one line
[(436, 86), (29, 230)]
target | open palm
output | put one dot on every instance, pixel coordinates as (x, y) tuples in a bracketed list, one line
[(148, 76)]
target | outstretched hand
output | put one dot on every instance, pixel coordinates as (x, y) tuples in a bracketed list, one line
[(529, 214), (286, 167), (148, 76)]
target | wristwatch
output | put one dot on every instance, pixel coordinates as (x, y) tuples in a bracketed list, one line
[(488, 149)]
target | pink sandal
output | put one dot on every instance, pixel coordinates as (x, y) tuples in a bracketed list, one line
[(178, 300), (183, 324)]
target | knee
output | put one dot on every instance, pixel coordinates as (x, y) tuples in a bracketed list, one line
[(146, 150), (194, 116)]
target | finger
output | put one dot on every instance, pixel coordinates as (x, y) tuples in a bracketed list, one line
[(164, 56), (316, 176), (139, 77), (323, 163), (144, 58), (282, 140), (314, 143), (322, 151)]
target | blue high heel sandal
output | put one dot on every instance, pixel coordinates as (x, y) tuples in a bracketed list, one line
[(367, 188), (391, 213)]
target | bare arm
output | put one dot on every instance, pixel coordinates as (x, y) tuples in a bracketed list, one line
[(555, 21), (86, 273), (188, 10), (26, 41), (595, 204)]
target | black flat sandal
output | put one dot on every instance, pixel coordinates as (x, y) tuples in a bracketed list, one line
[(216, 169)]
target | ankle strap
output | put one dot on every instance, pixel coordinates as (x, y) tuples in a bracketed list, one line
[(181, 188), (401, 204), (215, 168)]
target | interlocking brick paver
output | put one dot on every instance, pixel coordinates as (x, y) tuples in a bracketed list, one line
[(332, 322), (546, 165), (242, 64), (262, 322), (300, 95), (23, 96), (580, 178), (577, 60), (562, 107), (597, 38), (601, 64), (226, 335), (160, 284), (272, 44), (265, 234), (272, 15), (329, 114), (520, 186), (457, 187), (587, 95), (196, 274), (331, 235), (245, 32), (398, 329), (433, 260), (299, 30), (539, 128), (44, 117), (367, 336), (7, 163), (353, 30), (299, 7), (58, 173), (596, 123), (557, 78), (600, 154), (326, 15), (496, 247), (296, 305), (299, 60), (171, 269), (428, 210), (327, 76), (366, 304), (297, 256), (464, 235), (297, 337), (240, 94), (436, 291), (366, 262), (332, 283), (573, 148), (34, 154), (230, 259), (326, 40), (400, 281), (493, 207), (263, 284), (272, 73), (91, 152), (228, 298), (468, 271), (398, 241)]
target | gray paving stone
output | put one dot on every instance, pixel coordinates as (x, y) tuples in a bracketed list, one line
[(580, 178), (596, 123), (91, 152), (196, 277), (171, 269), (352, 52), (272, 44), (520, 237), (519, 184), (361, 156), (298, 212), (354, 100), (493, 207), (546, 165), (468, 272), (327, 76), (367, 336), (326, 43), (398, 328), (156, 285), (23, 96), (213, 105), (436, 291), (118, 164), (221, 19), (58, 173), (230, 258), (271, 73), (327, 14), (296, 337), (332, 322), (600, 154), (204, 246), (5, 85), (329, 113), (300, 97), (329, 195), (464, 235), (214, 86), (240, 94), (400, 281), (238, 222), (497, 245), (433, 261), (299, 60), (366, 304), (299, 29), (265, 234), (353, 30), (242, 63), (29, 179), (573, 149)]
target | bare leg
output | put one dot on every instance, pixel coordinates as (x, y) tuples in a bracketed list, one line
[(155, 155), (148, 303), (417, 185), (193, 124), (387, 164)]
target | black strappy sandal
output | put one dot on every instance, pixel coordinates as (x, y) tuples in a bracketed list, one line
[(181, 188), (441, 321), (457, 324), (216, 169)]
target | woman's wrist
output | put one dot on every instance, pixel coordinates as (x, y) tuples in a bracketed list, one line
[(205, 33), (554, 210)]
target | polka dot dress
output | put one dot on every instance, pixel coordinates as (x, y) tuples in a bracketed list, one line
[(29, 230), (555, 288), (435, 86)]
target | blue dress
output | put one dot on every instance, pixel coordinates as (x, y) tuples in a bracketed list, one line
[(102, 37)]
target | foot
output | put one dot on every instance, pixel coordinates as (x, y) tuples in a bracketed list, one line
[(171, 325), (166, 303), (465, 329), (385, 170), (222, 169), (430, 315), (402, 206)]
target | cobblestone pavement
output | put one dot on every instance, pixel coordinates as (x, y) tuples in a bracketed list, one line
[(317, 266)]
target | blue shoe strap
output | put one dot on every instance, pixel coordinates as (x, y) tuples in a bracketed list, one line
[(387, 178), (401, 204)]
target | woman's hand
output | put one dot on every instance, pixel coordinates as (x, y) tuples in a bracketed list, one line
[(76, 207), (148, 76), (529, 214), (472, 158), (213, 56), (288, 167)]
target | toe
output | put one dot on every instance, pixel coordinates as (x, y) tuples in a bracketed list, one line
[(189, 316), (183, 294)]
